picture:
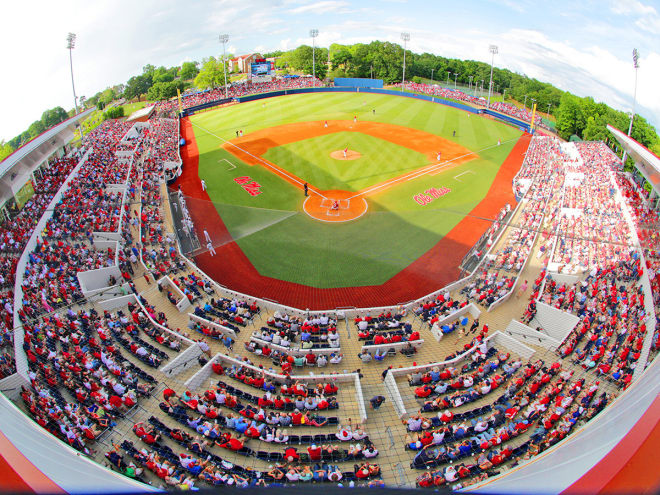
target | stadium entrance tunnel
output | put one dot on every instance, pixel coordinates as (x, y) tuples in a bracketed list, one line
[(335, 206)]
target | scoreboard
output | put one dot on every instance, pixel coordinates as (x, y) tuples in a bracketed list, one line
[(261, 69)]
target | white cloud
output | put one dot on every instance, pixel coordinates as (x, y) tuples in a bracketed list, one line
[(628, 7), (648, 17), (321, 7)]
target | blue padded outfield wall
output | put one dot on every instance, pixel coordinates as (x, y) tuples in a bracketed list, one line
[(358, 82), (523, 126)]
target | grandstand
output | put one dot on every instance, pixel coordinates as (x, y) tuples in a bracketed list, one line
[(124, 366)]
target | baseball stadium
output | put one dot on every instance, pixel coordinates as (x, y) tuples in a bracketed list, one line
[(345, 282)]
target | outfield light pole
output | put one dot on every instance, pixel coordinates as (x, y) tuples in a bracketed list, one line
[(471, 77), (635, 55), (313, 33), (504, 95), (455, 78), (224, 38), (493, 51), (481, 91), (406, 38), (525, 104), (70, 45), (549, 109), (448, 74), (432, 74)]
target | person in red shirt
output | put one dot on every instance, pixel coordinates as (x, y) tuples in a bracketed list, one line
[(362, 472), (314, 453), (296, 417), (291, 455)]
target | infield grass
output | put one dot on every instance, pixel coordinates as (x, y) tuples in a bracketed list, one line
[(283, 242), (380, 160)]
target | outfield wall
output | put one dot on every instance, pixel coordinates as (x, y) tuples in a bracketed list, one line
[(358, 82), (524, 126)]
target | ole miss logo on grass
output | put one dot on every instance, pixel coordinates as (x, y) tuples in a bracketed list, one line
[(430, 194), (253, 188)]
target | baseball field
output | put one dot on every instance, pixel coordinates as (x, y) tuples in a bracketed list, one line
[(398, 190)]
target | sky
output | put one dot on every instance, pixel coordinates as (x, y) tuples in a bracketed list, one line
[(582, 46)]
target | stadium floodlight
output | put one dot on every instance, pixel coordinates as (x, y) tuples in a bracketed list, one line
[(525, 104), (455, 77), (70, 45), (504, 95), (432, 69), (448, 74), (470, 83), (481, 91), (313, 33), (493, 50), (635, 55), (406, 38), (224, 38)]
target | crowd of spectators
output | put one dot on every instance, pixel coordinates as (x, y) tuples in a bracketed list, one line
[(455, 94), (235, 90)]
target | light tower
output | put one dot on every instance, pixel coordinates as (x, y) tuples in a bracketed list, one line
[(470, 85), (313, 33), (70, 45), (635, 55), (455, 78), (493, 50), (406, 38), (224, 38)]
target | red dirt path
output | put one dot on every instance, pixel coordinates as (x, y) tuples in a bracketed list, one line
[(435, 269)]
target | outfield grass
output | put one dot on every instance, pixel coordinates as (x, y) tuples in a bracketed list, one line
[(284, 243)]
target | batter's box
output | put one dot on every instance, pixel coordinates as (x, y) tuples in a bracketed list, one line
[(332, 213), (230, 165)]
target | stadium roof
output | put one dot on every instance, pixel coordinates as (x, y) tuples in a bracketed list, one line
[(646, 162), (37, 148), (141, 114)]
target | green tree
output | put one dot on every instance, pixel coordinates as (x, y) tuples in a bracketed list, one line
[(137, 86), (36, 128), (54, 116), (114, 113), (211, 75), (570, 116), (107, 96), (188, 71), (301, 60), (5, 150), (148, 70), (164, 90)]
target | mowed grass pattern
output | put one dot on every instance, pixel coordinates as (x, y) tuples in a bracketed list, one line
[(380, 160), (283, 242)]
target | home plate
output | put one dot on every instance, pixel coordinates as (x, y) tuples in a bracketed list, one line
[(466, 172)]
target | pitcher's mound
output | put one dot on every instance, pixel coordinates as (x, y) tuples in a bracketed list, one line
[(350, 155)]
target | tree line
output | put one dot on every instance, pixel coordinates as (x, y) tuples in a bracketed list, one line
[(575, 116)]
